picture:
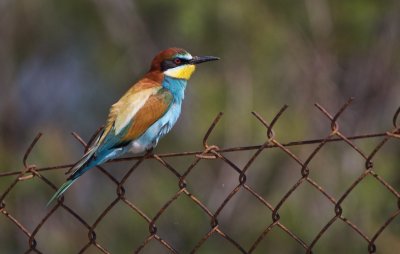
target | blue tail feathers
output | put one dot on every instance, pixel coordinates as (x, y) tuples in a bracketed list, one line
[(91, 159), (87, 162), (61, 190)]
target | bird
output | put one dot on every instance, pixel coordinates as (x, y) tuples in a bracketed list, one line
[(143, 115)]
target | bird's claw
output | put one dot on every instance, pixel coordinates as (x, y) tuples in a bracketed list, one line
[(149, 153)]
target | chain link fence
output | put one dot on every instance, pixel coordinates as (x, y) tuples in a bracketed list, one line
[(214, 215)]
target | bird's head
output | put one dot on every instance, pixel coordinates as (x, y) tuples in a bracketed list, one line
[(178, 63)]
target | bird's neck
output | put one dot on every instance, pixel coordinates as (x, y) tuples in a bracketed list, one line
[(176, 86)]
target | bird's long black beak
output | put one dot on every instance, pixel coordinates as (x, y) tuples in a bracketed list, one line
[(202, 59)]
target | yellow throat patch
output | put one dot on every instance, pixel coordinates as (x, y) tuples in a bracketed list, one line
[(181, 72)]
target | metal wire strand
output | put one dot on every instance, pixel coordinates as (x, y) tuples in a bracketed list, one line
[(215, 214)]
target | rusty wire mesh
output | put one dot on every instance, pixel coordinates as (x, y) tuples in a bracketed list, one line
[(213, 152)]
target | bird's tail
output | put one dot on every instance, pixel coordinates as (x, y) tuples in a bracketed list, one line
[(87, 161), (61, 190)]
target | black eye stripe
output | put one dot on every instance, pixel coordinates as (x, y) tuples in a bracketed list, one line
[(168, 64), (182, 60)]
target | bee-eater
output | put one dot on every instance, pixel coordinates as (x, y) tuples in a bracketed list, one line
[(144, 114)]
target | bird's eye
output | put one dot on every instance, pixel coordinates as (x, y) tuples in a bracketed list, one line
[(177, 61)]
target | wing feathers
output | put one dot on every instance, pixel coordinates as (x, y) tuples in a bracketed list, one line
[(154, 108), (122, 112), (127, 109), (135, 112)]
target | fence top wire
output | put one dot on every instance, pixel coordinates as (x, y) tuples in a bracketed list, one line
[(213, 152)]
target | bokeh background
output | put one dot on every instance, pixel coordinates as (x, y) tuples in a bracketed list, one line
[(63, 63)]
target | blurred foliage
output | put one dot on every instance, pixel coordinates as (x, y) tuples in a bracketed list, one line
[(63, 63)]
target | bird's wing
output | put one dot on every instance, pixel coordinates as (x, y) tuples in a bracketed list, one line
[(134, 113), (154, 108)]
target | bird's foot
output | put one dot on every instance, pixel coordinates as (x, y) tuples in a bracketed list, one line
[(149, 153)]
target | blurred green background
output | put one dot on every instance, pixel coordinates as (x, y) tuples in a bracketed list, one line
[(63, 63)]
